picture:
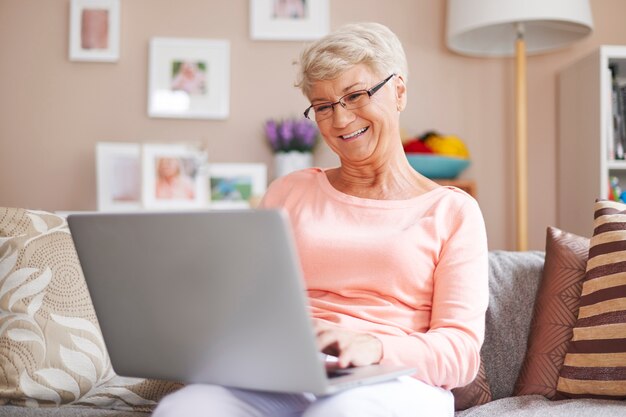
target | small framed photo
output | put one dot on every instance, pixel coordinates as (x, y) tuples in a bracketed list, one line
[(173, 177), (288, 20), (189, 78), (236, 185), (95, 30), (118, 176)]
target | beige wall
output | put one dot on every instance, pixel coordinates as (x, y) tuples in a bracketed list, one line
[(53, 111)]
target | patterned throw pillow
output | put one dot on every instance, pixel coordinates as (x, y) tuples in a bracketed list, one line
[(554, 316), (51, 348), (476, 393), (595, 364)]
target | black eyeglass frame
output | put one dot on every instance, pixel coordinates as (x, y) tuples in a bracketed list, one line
[(370, 92)]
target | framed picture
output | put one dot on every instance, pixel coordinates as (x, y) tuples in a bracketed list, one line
[(95, 30), (236, 185), (288, 20), (173, 177), (189, 78), (118, 176)]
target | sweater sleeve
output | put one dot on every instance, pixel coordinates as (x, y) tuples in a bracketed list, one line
[(448, 354)]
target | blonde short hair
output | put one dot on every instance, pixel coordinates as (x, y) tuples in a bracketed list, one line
[(372, 44)]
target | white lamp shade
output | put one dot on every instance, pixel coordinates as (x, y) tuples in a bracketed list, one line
[(488, 27)]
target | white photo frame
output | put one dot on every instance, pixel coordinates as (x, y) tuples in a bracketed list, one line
[(189, 78), (118, 176), (288, 20), (236, 185), (94, 30), (173, 177)]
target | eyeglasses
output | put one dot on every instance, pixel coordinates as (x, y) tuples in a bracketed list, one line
[(350, 101)]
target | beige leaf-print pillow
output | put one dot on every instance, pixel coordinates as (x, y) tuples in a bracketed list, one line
[(51, 348)]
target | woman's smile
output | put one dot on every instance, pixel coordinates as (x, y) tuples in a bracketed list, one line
[(354, 135)]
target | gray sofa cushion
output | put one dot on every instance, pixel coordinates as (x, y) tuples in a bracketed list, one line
[(539, 406), (513, 281), (12, 411)]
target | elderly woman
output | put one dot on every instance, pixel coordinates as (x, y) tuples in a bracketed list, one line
[(395, 265)]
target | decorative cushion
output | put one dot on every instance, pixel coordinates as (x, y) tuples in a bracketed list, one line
[(51, 348), (476, 393), (595, 363), (554, 316)]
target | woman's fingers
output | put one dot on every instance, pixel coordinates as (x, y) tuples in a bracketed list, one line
[(328, 343), (356, 349)]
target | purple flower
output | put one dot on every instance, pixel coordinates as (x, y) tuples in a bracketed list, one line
[(306, 132), (291, 135), (286, 132), (271, 132)]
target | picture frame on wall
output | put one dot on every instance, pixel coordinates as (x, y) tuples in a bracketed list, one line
[(173, 177), (94, 30), (288, 20), (189, 78), (118, 176), (236, 185)]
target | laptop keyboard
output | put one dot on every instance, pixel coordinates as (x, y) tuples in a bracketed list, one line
[(334, 372)]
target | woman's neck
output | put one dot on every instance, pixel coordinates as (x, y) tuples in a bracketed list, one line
[(389, 179)]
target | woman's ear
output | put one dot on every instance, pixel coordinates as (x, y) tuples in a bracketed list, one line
[(400, 93)]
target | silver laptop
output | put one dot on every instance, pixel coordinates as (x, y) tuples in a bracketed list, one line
[(211, 297)]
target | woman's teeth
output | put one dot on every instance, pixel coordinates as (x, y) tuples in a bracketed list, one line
[(355, 134)]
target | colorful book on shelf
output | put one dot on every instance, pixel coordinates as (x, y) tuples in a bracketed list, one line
[(621, 95), (608, 117), (619, 133)]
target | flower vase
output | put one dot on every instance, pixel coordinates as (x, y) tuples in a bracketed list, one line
[(286, 162)]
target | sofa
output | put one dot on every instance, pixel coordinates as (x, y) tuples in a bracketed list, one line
[(514, 279)]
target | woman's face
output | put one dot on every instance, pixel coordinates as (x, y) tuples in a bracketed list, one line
[(361, 135), (168, 167)]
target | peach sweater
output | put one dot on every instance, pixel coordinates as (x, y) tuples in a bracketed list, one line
[(411, 272)]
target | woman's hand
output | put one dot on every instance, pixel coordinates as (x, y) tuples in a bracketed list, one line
[(350, 348)]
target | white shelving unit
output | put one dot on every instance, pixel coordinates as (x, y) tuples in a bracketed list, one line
[(584, 166)]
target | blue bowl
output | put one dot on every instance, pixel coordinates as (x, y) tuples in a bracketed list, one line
[(437, 166)]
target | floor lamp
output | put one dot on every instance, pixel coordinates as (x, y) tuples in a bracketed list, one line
[(514, 27)]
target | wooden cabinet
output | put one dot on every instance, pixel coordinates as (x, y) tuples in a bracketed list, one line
[(584, 161)]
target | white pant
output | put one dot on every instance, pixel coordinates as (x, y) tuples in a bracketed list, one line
[(404, 397)]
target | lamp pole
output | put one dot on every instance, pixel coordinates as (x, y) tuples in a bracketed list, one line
[(521, 139)]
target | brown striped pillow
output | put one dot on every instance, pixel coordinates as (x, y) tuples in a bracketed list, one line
[(595, 363)]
